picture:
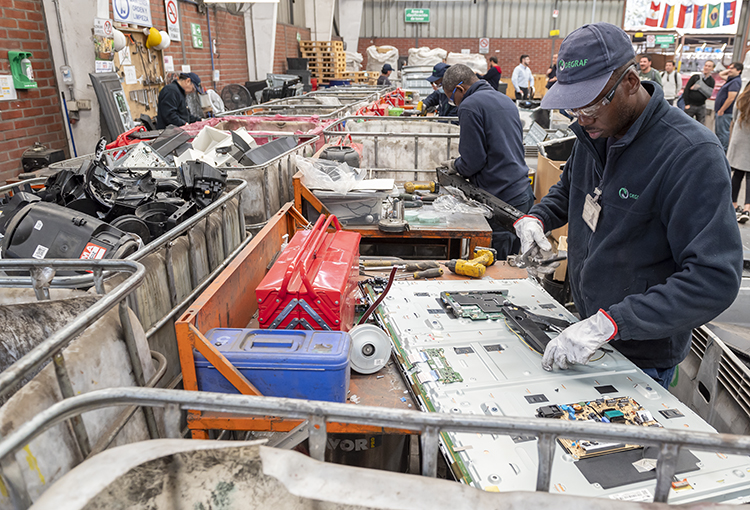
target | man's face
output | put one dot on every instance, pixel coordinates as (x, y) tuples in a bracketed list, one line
[(645, 64), (669, 67), (554, 58), (526, 61), (708, 67), (614, 118), (458, 94), (436, 84), (733, 73), (187, 85)]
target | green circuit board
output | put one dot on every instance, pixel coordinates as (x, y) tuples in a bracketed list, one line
[(437, 362)]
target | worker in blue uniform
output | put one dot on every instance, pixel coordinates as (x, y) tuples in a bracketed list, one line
[(653, 244), (490, 146), (438, 97), (172, 105)]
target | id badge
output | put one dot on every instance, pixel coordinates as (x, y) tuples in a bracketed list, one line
[(591, 210)]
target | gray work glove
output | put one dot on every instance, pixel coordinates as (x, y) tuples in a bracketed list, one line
[(579, 342), (534, 245), (450, 164)]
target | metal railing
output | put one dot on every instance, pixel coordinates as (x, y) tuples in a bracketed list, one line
[(430, 425)]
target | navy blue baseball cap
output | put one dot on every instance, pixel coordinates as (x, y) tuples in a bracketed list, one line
[(586, 61), (196, 82), (437, 72), (386, 68)]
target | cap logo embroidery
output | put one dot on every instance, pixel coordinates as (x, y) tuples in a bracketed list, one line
[(572, 63)]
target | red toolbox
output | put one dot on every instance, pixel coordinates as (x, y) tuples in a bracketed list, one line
[(312, 284)]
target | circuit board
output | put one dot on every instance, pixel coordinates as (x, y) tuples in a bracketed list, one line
[(622, 410), (476, 305), (439, 368)]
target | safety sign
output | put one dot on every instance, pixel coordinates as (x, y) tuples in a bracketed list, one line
[(137, 12), (484, 45), (173, 19)]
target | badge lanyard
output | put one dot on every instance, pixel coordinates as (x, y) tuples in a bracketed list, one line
[(592, 209)]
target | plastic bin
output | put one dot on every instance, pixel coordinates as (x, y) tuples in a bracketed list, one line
[(354, 208), (312, 365)]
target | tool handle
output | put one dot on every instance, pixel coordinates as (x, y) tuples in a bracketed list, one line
[(421, 266), (428, 273), (380, 263)]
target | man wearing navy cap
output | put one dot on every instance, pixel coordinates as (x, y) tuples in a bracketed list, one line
[(653, 244), (384, 75), (438, 97), (172, 103)]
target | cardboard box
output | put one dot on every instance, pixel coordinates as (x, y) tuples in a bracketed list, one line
[(547, 175)]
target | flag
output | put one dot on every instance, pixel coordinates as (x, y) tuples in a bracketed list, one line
[(699, 16), (713, 15), (652, 19), (667, 20), (685, 11), (729, 8)]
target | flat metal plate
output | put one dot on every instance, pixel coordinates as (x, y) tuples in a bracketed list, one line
[(491, 371)]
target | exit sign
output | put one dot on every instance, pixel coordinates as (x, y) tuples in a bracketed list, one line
[(417, 15)]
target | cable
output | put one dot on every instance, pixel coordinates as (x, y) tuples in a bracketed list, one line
[(380, 298)]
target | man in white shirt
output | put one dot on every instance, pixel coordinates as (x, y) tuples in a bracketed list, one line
[(671, 81), (523, 80)]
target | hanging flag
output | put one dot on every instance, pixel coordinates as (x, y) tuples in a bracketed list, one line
[(686, 12), (652, 19), (667, 21), (729, 8), (699, 16), (712, 20)]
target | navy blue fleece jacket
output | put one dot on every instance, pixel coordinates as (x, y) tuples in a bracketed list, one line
[(491, 142), (440, 100), (666, 256)]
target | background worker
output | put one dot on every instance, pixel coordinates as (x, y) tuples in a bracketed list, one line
[(725, 101), (385, 73), (493, 74), (699, 88), (646, 71), (523, 80), (491, 146), (438, 97), (653, 243), (172, 105), (671, 80)]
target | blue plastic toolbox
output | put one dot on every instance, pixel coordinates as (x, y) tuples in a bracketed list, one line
[(312, 365)]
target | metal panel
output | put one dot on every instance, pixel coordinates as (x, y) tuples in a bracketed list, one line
[(508, 19)]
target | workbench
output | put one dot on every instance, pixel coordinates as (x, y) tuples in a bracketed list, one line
[(419, 241), (230, 302)]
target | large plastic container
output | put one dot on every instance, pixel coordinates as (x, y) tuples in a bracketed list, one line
[(354, 208), (312, 365)]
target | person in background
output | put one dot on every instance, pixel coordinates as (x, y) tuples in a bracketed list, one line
[(647, 72), (552, 72), (699, 88), (671, 80), (438, 97), (385, 73), (738, 154), (490, 145), (725, 101), (493, 74), (194, 105), (172, 105), (653, 245), (523, 80)]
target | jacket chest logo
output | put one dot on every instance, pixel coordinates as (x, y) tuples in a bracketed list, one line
[(625, 194)]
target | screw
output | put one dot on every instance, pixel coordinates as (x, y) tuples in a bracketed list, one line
[(335, 302), (260, 300), (260, 319)]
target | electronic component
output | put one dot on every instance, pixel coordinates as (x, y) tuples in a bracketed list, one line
[(671, 413), (475, 305), (552, 411), (437, 362)]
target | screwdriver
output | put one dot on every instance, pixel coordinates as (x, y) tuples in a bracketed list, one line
[(436, 272), (375, 265)]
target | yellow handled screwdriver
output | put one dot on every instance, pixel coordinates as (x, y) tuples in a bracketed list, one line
[(420, 275)]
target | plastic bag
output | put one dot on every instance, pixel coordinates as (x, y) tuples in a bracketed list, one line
[(330, 175), (425, 56), (457, 202), (475, 61)]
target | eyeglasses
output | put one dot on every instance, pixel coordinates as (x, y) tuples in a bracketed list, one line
[(450, 99), (593, 110)]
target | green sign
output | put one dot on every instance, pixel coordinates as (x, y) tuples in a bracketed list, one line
[(665, 39), (195, 31), (417, 15)]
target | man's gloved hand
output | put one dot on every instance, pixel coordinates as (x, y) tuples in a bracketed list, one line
[(579, 342), (450, 164), (530, 231)]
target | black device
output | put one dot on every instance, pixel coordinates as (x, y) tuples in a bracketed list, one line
[(503, 214), (39, 156)]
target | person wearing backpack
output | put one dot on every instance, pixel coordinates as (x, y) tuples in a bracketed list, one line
[(671, 81)]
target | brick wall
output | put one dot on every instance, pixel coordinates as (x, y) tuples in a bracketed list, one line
[(287, 45), (226, 29), (35, 116), (508, 56)]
